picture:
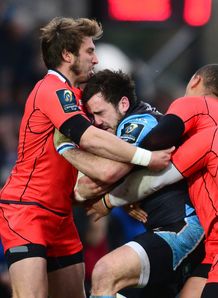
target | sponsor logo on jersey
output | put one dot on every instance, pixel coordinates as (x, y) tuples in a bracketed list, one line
[(67, 100), (130, 128)]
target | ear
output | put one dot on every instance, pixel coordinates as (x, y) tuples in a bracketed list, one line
[(124, 104), (195, 81), (67, 56)]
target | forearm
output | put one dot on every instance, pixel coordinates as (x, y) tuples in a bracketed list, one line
[(109, 146), (140, 184), (88, 188), (96, 167)]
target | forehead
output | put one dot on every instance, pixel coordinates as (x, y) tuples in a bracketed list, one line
[(97, 103)]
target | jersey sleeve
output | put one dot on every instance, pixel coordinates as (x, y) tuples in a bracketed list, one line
[(187, 109), (134, 128), (59, 105)]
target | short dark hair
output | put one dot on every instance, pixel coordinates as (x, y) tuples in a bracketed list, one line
[(113, 85), (66, 33), (209, 74)]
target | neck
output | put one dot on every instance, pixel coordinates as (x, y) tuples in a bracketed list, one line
[(68, 74)]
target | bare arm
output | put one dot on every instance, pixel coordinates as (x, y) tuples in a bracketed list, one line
[(96, 167), (110, 146), (107, 145), (100, 168)]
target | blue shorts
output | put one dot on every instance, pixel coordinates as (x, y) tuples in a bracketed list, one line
[(166, 249), (182, 243)]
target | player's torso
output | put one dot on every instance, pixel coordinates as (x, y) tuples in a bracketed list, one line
[(168, 205), (40, 173)]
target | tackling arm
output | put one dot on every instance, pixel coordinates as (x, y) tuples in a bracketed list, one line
[(141, 183)]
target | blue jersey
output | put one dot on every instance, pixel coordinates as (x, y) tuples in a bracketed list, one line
[(170, 204)]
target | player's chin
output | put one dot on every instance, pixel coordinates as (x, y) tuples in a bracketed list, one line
[(91, 73), (86, 78)]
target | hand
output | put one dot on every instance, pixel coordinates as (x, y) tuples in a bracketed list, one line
[(97, 209), (136, 212), (160, 159), (89, 188)]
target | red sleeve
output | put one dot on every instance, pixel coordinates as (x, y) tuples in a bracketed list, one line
[(58, 102), (188, 110)]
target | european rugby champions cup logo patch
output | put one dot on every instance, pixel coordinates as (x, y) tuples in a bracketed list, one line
[(67, 100), (131, 131)]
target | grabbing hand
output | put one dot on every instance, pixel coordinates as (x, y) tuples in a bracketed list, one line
[(90, 188), (97, 208), (136, 212), (160, 159)]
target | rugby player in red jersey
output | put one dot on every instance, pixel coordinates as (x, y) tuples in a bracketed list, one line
[(37, 227), (193, 119)]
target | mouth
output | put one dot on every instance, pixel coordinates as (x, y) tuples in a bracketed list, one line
[(91, 73)]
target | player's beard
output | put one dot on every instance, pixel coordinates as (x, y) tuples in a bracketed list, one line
[(76, 69)]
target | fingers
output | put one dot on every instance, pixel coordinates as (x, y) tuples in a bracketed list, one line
[(170, 150), (90, 211), (136, 212), (97, 216), (139, 216)]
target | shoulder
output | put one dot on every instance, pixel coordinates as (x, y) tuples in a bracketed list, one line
[(188, 100), (143, 119), (135, 127)]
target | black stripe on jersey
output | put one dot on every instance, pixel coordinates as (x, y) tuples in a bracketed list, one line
[(75, 127), (33, 204), (160, 138)]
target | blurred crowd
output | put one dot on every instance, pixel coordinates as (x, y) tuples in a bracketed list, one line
[(21, 67)]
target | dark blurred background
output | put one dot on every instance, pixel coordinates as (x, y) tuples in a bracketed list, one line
[(161, 43)]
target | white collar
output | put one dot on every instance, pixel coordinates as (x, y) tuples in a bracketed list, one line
[(57, 74)]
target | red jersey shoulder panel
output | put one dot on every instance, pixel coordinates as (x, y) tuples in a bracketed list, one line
[(197, 113)]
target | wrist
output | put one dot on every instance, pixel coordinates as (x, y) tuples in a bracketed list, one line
[(65, 146), (142, 157), (106, 202)]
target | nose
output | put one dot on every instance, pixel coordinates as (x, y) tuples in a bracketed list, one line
[(95, 59), (97, 121)]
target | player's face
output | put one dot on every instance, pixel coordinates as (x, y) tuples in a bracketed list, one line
[(105, 115), (83, 66)]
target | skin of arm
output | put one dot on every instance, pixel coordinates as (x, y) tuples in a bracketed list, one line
[(106, 145), (96, 167), (100, 168)]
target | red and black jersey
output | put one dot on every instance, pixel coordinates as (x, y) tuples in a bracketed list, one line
[(197, 160), (40, 174), (185, 117), (197, 113)]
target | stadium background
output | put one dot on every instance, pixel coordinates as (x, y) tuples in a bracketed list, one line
[(159, 42)]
